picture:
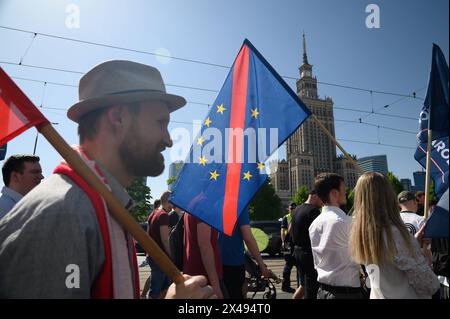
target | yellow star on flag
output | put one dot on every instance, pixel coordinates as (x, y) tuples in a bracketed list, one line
[(260, 166), (200, 140), (202, 160), (220, 109), (208, 122), (247, 175), (255, 112), (214, 175)]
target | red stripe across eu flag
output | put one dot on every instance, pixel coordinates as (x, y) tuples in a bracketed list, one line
[(254, 112), (237, 120)]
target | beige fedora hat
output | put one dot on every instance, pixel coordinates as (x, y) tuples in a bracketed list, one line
[(115, 82)]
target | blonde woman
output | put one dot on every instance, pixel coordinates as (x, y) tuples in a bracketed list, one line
[(380, 240)]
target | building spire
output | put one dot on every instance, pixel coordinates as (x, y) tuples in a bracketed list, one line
[(305, 56)]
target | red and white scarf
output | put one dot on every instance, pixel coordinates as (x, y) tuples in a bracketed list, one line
[(116, 277)]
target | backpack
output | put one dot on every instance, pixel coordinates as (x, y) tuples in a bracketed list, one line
[(176, 239), (439, 248)]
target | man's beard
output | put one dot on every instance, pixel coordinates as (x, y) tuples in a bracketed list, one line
[(139, 159)]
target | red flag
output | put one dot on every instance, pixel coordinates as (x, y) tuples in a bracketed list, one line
[(17, 112)]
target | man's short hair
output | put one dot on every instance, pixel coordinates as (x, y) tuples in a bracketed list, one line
[(156, 203), (325, 183), (89, 123), (165, 197), (405, 196), (419, 194), (15, 163)]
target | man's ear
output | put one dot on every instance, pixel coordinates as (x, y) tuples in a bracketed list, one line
[(14, 178), (115, 116)]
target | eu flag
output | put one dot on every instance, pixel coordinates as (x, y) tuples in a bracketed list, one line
[(434, 116), (253, 114)]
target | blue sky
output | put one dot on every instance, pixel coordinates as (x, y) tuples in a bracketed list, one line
[(394, 58)]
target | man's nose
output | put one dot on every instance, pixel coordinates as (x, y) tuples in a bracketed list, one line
[(167, 139)]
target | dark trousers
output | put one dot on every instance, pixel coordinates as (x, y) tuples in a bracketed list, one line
[(307, 272), (233, 279), (328, 292), (290, 262), (158, 280)]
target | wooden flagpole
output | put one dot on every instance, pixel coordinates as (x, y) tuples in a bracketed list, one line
[(427, 175), (355, 164), (116, 209)]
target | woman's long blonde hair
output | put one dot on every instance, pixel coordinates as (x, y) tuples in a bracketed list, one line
[(375, 212)]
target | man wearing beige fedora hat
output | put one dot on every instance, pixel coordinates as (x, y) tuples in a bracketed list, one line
[(60, 241)]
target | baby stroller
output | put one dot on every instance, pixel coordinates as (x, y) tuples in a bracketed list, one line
[(254, 282)]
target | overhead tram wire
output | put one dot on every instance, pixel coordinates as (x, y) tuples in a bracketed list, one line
[(345, 140), (42, 102), (375, 112), (28, 48), (43, 67), (209, 90), (78, 72), (376, 125), (361, 89), (374, 143), (199, 103), (193, 60), (390, 104), (117, 47), (40, 81)]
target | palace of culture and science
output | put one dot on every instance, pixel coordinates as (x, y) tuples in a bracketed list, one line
[(309, 150)]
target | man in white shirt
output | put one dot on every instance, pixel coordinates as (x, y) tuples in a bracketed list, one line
[(21, 173), (338, 275), (408, 207)]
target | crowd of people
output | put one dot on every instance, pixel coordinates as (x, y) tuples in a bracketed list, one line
[(58, 240), (377, 251), (332, 250), (204, 251)]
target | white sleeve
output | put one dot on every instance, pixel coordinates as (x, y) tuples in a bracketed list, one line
[(420, 222), (342, 229), (418, 271)]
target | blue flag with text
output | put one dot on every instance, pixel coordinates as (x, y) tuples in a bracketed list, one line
[(437, 225), (434, 116)]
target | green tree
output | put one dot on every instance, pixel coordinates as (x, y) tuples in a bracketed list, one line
[(140, 193), (266, 205), (178, 167), (171, 180), (398, 187), (301, 196), (431, 193), (350, 198)]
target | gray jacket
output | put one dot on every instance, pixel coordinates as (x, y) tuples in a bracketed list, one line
[(51, 229)]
